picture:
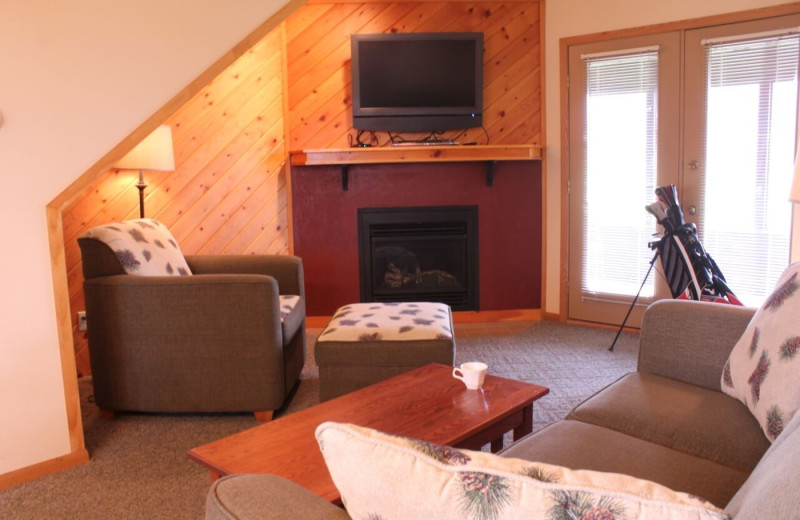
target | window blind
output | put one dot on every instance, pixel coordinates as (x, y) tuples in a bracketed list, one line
[(620, 172), (751, 108)]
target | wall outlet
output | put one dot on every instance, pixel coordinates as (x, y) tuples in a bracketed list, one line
[(82, 321)]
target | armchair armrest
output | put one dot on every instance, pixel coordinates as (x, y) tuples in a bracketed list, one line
[(690, 340), (286, 269)]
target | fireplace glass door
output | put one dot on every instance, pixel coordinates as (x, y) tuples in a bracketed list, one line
[(419, 254)]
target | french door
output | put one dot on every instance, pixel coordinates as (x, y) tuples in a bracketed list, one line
[(623, 137), (711, 110), (741, 119)]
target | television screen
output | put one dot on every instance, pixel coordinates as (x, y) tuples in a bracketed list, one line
[(417, 82)]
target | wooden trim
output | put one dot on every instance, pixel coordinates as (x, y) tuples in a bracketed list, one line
[(318, 322), (66, 349), (287, 170), (58, 268), (335, 2), (550, 316), (563, 273), (495, 316), (692, 23), (543, 110), (400, 154), (26, 474)]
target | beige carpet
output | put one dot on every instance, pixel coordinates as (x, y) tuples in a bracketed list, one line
[(139, 468)]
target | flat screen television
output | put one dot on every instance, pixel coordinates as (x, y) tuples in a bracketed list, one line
[(417, 82)]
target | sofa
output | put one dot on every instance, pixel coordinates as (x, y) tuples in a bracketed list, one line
[(667, 423)]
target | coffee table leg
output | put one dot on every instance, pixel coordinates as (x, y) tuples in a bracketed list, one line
[(527, 423)]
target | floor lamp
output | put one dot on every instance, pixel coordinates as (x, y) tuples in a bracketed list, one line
[(154, 153)]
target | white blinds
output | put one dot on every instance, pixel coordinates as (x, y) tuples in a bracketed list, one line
[(751, 107), (620, 172)]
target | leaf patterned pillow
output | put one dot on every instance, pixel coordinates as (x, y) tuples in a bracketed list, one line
[(384, 477), (144, 247), (763, 369)]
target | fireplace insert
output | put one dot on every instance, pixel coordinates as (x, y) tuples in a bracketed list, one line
[(419, 254)]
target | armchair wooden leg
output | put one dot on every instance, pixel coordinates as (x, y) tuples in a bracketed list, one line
[(265, 416), (107, 414)]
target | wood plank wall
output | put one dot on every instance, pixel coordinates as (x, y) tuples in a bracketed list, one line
[(229, 192), (318, 49)]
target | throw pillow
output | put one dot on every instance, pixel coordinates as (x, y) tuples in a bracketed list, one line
[(385, 477), (763, 369), (144, 247)]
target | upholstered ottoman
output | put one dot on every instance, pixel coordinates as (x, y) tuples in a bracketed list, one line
[(368, 342)]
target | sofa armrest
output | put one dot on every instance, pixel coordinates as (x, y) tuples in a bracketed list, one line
[(690, 340), (266, 497), (286, 269)]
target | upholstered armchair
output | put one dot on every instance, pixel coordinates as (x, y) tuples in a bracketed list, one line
[(168, 333)]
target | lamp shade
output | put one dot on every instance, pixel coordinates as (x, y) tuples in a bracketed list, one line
[(154, 153)]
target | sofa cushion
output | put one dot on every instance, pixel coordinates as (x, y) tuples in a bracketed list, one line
[(684, 417), (388, 477), (773, 489), (144, 247), (763, 370), (580, 445)]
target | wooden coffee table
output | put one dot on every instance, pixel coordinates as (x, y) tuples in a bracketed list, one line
[(426, 403)]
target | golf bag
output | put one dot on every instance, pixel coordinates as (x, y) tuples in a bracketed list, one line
[(688, 269)]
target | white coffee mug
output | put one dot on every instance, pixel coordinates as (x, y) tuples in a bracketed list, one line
[(471, 374)]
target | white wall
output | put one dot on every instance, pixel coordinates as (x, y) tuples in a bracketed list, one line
[(76, 78), (565, 18)]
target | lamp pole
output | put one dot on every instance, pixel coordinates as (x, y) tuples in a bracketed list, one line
[(141, 185)]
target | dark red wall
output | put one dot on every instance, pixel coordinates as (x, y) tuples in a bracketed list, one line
[(509, 224)]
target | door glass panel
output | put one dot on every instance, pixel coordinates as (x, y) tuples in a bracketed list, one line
[(620, 173), (751, 107)]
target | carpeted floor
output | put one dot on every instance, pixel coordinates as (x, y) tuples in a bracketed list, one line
[(139, 468)]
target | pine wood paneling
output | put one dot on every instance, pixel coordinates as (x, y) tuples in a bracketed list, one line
[(228, 193), (319, 88)]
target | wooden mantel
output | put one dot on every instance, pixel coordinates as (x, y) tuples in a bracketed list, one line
[(399, 154), (346, 157)]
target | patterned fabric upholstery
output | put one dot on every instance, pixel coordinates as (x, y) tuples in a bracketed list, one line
[(144, 247), (288, 302), (389, 322), (387, 477), (763, 370)]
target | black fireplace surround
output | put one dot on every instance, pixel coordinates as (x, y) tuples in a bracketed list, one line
[(419, 254)]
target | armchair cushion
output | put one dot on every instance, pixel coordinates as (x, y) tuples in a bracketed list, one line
[(144, 247), (293, 314), (763, 370), (385, 476)]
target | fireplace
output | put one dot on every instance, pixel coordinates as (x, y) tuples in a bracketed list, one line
[(419, 254)]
